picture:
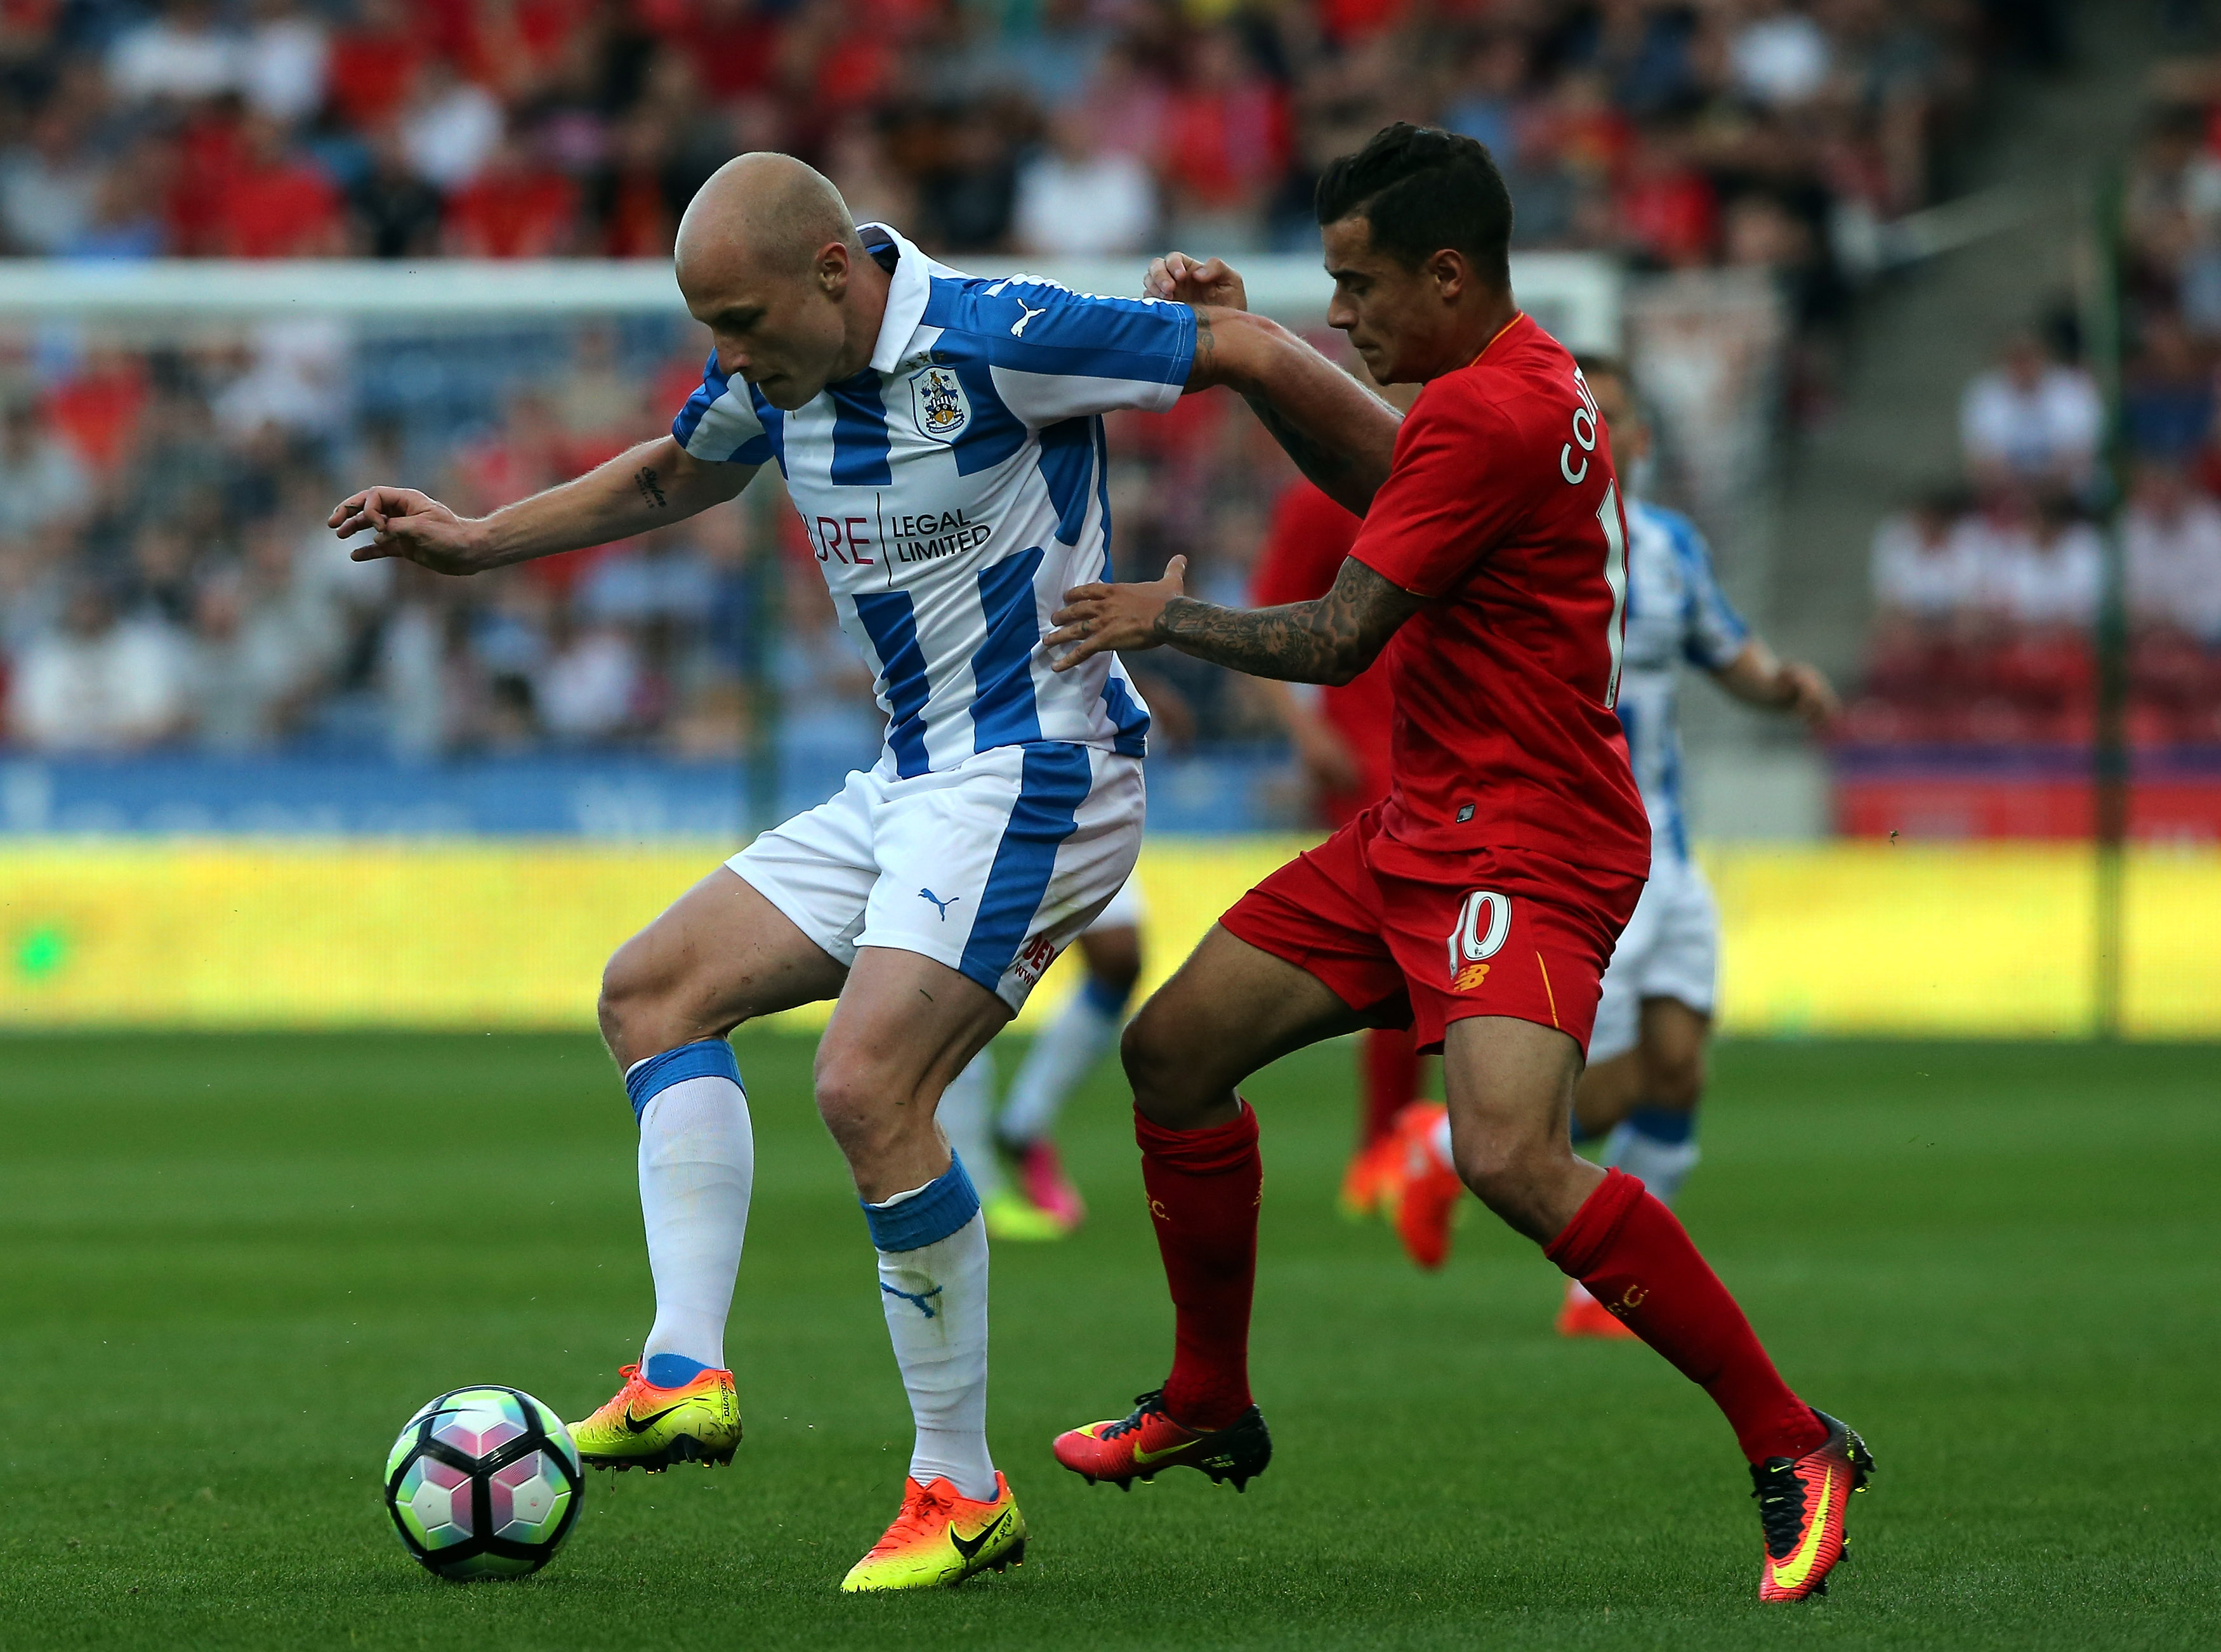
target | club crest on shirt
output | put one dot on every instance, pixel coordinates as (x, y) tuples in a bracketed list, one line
[(937, 395)]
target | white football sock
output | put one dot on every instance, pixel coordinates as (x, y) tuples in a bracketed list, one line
[(967, 1119), (1064, 1053), (1662, 1166), (697, 1168), (933, 1285)]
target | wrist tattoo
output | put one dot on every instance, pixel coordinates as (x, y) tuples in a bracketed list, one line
[(1330, 640), (646, 482)]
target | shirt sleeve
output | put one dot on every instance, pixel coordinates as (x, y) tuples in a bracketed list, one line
[(1712, 633), (1454, 488), (1056, 354), (719, 422)]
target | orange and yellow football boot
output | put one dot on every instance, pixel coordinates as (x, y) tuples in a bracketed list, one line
[(1146, 1441), (1366, 1182), (1801, 1505), (643, 1426), (1423, 1192), (941, 1536), (1582, 1315)]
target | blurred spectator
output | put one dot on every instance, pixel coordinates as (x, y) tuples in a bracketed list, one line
[(95, 683), (48, 185), (276, 203), (1226, 139), (450, 127), (42, 482), (261, 645), (2167, 400), (1926, 571), (2171, 544), (2031, 420), (515, 207), (284, 60), (2046, 570), (1075, 199), (1780, 53), (397, 213), (184, 52), (586, 687), (373, 64)]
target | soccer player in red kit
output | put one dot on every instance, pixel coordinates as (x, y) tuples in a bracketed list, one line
[(1343, 741), (1481, 901)]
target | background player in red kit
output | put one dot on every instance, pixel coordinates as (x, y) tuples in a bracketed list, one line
[(1342, 733), (1483, 899)]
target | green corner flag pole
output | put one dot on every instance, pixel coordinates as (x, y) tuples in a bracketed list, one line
[(2109, 752)]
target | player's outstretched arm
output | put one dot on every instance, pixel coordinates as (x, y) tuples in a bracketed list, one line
[(1340, 435), (1758, 676), (1329, 640), (650, 486)]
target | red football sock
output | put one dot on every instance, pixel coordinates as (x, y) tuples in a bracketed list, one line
[(1391, 1060), (1635, 1258), (1204, 1187)]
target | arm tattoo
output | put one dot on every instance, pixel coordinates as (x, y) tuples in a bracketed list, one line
[(1330, 640), (1204, 370), (1323, 467), (646, 482)]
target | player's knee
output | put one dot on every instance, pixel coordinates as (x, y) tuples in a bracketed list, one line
[(1509, 1173), (853, 1098), (1158, 1069), (1677, 1081), (624, 996)]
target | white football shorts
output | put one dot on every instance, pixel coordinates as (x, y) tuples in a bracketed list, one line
[(1126, 910), (993, 867), (1670, 949)]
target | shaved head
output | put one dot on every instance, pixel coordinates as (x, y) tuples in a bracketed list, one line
[(769, 260), (768, 209)]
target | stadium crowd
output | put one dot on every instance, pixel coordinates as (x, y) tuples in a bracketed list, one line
[(161, 576), (1988, 591)]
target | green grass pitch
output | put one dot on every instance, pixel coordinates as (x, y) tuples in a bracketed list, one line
[(229, 1268)]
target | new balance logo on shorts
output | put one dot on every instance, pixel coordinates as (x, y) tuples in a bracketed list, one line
[(1483, 922)]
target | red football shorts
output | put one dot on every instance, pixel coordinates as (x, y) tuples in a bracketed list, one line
[(1498, 932)]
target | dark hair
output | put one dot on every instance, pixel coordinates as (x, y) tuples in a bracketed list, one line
[(1421, 190), (1597, 365)]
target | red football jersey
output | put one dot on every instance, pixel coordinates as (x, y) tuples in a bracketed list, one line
[(1304, 550), (1502, 506)]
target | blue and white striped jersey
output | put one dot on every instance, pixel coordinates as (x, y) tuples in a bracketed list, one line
[(1674, 613), (956, 488)]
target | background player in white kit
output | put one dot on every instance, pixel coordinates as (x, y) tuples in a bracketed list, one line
[(1024, 1192), (941, 438), (1646, 1066)]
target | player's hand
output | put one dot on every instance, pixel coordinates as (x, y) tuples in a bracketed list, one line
[(1186, 281), (1096, 619), (1811, 696), (411, 526)]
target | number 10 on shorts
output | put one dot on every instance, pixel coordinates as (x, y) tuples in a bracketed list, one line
[(1483, 922)]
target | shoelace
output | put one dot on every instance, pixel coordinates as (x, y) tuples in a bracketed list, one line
[(1781, 1504), (917, 1512), (1146, 1405)]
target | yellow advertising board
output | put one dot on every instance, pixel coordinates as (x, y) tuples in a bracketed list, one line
[(1989, 941)]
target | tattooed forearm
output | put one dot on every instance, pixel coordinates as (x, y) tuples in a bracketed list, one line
[(1330, 640), (650, 488), (1325, 468)]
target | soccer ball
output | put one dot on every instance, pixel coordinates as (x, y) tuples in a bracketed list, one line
[(484, 1483)]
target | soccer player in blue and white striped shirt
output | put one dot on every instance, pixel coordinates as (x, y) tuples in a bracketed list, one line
[(942, 439)]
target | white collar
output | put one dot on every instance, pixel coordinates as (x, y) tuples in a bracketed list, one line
[(908, 288)]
